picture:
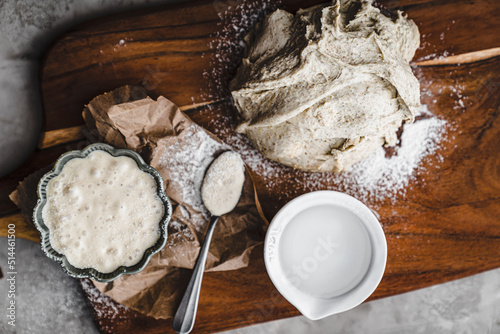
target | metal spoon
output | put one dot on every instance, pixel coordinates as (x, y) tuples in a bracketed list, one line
[(186, 313), (225, 176)]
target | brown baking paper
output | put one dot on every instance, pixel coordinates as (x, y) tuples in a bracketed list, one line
[(181, 151)]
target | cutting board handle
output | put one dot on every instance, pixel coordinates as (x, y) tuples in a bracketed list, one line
[(17, 225)]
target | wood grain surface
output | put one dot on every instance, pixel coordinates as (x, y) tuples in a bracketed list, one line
[(445, 227)]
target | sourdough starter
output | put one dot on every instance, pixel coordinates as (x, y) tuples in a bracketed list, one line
[(222, 185), (102, 212)]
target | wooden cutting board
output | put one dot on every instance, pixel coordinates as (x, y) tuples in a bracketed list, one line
[(444, 228)]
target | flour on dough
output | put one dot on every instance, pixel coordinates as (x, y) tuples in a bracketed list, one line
[(322, 89)]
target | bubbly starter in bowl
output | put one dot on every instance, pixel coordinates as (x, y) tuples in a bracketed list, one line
[(103, 212)]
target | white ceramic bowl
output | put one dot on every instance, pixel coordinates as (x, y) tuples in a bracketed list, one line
[(325, 252)]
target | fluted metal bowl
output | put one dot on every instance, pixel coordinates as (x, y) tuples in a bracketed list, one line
[(45, 232)]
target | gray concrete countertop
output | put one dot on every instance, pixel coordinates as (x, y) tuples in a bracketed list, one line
[(48, 301)]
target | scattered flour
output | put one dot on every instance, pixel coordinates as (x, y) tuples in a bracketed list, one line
[(184, 164), (121, 44), (187, 161), (108, 309), (235, 22), (380, 176), (432, 47), (451, 84)]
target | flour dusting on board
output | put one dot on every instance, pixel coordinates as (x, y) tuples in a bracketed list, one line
[(237, 18), (107, 308), (187, 162), (379, 176)]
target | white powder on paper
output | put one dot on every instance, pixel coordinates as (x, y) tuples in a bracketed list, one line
[(187, 161)]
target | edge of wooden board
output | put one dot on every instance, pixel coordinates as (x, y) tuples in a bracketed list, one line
[(53, 138), (22, 228)]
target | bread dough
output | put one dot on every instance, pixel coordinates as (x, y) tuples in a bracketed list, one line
[(322, 89)]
